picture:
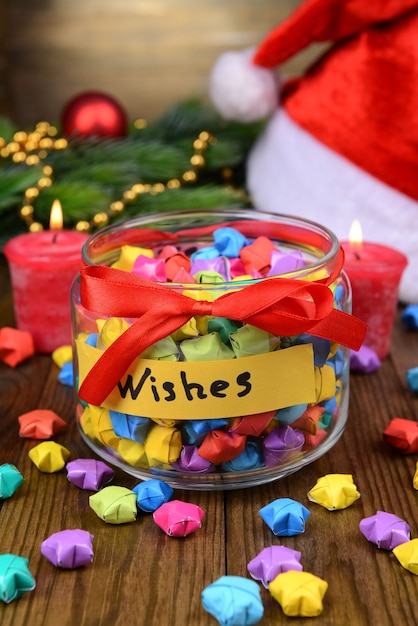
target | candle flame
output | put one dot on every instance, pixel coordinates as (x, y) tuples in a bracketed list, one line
[(56, 219), (355, 235)]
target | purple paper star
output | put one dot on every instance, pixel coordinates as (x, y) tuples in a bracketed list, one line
[(68, 548), (386, 530), (365, 360), (89, 473), (281, 444), (190, 461), (273, 561)]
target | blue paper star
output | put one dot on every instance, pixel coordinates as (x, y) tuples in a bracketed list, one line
[(285, 517)]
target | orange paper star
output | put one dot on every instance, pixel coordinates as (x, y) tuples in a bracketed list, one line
[(40, 424)]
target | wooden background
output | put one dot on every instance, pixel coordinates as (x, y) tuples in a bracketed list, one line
[(146, 53)]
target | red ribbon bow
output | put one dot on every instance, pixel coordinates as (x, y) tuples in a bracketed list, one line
[(280, 306)]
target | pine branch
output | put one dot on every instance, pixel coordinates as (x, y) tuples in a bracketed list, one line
[(89, 175)]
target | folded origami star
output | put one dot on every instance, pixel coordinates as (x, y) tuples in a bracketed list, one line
[(285, 517), (15, 577), (299, 593), (114, 505), (89, 474), (10, 480), (385, 530), (151, 494), (49, 456), (334, 491), (68, 548), (15, 346), (179, 519), (273, 561), (407, 555), (233, 601), (402, 434), (40, 424)]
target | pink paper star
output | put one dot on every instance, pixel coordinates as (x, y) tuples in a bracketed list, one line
[(179, 519)]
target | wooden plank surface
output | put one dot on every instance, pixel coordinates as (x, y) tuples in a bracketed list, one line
[(147, 54), (141, 576)]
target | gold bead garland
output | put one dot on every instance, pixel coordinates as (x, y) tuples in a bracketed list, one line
[(32, 148)]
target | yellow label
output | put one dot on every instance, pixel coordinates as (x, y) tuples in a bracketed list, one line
[(210, 389)]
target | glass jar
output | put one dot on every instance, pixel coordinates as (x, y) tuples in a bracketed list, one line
[(230, 378)]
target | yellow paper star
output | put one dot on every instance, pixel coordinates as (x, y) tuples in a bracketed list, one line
[(62, 355), (128, 256), (299, 593), (334, 491), (49, 456), (162, 446), (415, 479), (96, 424), (407, 555)]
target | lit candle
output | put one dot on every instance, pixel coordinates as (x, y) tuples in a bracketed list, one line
[(42, 267), (374, 271)]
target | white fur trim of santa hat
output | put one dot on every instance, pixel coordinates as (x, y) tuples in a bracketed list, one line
[(291, 172)]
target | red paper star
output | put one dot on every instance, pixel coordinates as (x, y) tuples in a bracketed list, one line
[(40, 424), (15, 345), (402, 434)]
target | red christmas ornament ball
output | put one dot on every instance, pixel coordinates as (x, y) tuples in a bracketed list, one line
[(94, 114)]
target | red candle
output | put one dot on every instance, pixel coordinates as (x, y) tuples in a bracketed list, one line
[(42, 267), (375, 272)]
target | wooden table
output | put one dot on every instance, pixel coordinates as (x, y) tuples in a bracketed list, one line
[(142, 577)]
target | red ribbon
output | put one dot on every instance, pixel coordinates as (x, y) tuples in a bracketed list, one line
[(280, 306)]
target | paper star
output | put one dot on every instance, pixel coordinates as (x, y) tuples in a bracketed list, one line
[(233, 601), (220, 446), (97, 425), (407, 555), (49, 456), (385, 530), (15, 577), (250, 458), (89, 473), (151, 494), (299, 594), (62, 355), (415, 478), (285, 517), (132, 452), (412, 379), (179, 519), (68, 548), (191, 461), (40, 424), (365, 360), (66, 375), (410, 317), (334, 492), (402, 434), (281, 444), (162, 445), (114, 505), (129, 426), (15, 346), (252, 424), (10, 480), (273, 561)]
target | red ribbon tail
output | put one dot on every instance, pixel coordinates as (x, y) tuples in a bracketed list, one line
[(341, 328)]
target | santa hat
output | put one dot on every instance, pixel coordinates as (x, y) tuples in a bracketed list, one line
[(343, 140)]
